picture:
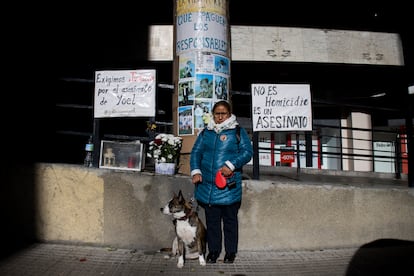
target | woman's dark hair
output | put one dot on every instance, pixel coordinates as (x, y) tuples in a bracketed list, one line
[(226, 104)]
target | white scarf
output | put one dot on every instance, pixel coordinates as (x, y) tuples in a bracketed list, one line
[(230, 123)]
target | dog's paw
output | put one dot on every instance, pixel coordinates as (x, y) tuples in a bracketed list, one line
[(180, 263), (202, 260)]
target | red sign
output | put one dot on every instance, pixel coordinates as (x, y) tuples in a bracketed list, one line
[(287, 157)]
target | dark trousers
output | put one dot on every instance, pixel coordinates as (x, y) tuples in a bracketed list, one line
[(220, 217)]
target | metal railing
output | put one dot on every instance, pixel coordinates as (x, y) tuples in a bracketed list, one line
[(385, 151)]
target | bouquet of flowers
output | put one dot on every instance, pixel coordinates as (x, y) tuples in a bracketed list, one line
[(165, 148)]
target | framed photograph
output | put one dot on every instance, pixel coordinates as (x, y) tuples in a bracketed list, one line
[(122, 155)]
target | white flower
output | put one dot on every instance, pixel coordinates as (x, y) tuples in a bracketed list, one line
[(165, 148)]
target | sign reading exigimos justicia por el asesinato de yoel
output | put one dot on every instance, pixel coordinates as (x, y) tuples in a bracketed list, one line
[(124, 93)]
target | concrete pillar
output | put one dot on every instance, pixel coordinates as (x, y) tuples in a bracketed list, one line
[(357, 142), (362, 141), (346, 134), (201, 72)]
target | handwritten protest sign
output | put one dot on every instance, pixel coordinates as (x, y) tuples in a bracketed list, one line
[(125, 93), (281, 107), (201, 29)]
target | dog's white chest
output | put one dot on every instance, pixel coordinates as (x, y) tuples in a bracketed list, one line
[(185, 231)]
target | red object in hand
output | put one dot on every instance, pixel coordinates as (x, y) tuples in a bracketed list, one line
[(220, 180)]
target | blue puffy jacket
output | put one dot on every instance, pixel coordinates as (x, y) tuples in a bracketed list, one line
[(210, 152)]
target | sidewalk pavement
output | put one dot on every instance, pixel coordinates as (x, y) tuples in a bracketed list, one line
[(62, 259)]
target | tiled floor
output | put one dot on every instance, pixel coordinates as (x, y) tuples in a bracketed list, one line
[(58, 259), (391, 257)]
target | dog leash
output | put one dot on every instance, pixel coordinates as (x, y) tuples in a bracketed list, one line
[(194, 203)]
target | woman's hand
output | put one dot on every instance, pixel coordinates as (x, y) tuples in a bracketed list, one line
[(197, 178), (226, 171)]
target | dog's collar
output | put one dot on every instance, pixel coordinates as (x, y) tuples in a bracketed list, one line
[(186, 216)]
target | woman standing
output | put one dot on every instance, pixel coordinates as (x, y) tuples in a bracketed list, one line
[(223, 146)]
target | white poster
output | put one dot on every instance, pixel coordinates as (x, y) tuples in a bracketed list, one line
[(125, 93), (202, 31), (281, 107)]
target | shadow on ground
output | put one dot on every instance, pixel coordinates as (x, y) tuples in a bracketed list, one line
[(383, 257)]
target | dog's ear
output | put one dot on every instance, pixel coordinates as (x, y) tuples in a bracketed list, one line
[(180, 196)]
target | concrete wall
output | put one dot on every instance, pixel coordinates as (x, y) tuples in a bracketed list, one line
[(122, 209)]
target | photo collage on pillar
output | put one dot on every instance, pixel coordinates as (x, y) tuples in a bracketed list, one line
[(203, 80)]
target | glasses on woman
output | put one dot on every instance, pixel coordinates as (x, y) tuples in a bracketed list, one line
[(218, 114)]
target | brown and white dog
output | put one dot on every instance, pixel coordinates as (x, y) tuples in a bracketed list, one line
[(190, 231)]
